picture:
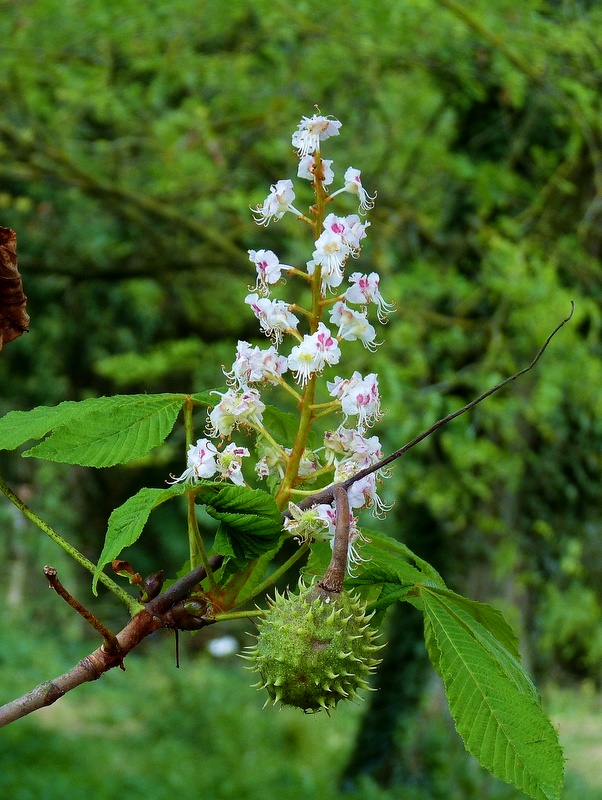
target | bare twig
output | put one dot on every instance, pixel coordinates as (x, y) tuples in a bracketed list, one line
[(327, 495), (335, 574), (111, 644)]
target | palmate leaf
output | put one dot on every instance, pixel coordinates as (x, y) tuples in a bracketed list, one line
[(491, 698), (98, 432)]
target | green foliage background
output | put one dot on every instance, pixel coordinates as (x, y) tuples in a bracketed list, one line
[(132, 141)]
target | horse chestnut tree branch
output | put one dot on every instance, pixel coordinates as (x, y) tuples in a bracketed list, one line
[(303, 468)]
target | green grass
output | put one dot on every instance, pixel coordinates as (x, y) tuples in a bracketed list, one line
[(156, 732)]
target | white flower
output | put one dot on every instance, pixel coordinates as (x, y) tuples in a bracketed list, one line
[(331, 253), (273, 315), (262, 469), (367, 451), (271, 461), (362, 493), (358, 396), (313, 523), (319, 524), (364, 289), (269, 269), (235, 408), (308, 463), (313, 353), (311, 131), (339, 442), (253, 365), (353, 325), (230, 463), (200, 462), (353, 184), (307, 169), (276, 204), (355, 232), (350, 228)]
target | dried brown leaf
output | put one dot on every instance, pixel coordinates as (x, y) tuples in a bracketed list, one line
[(14, 320)]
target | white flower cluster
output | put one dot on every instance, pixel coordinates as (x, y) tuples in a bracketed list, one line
[(345, 450)]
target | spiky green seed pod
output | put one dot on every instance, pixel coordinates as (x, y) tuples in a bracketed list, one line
[(314, 648)]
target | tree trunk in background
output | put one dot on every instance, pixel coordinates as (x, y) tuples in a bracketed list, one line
[(401, 679)]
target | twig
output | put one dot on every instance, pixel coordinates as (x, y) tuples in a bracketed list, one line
[(111, 644), (181, 587), (327, 495), (100, 661), (334, 576)]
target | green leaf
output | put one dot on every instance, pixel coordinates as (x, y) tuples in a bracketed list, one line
[(393, 565), (18, 427), (128, 520), (490, 617), (432, 648), (318, 561), (105, 431), (209, 398), (251, 522), (393, 556), (283, 427), (492, 699)]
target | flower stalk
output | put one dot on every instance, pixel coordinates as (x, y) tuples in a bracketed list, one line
[(318, 333)]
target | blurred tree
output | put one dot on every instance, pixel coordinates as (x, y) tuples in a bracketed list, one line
[(133, 139)]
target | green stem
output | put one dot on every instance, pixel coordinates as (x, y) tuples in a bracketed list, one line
[(326, 413), (305, 423), (300, 310), (131, 603), (289, 389), (302, 492), (196, 543), (299, 274), (330, 405), (267, 435), (253, 612), (273, 578), (312, 476)]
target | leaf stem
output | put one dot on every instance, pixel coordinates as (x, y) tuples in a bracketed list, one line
[(196, 543), (252, 612), (131, 603), (267, 435)]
